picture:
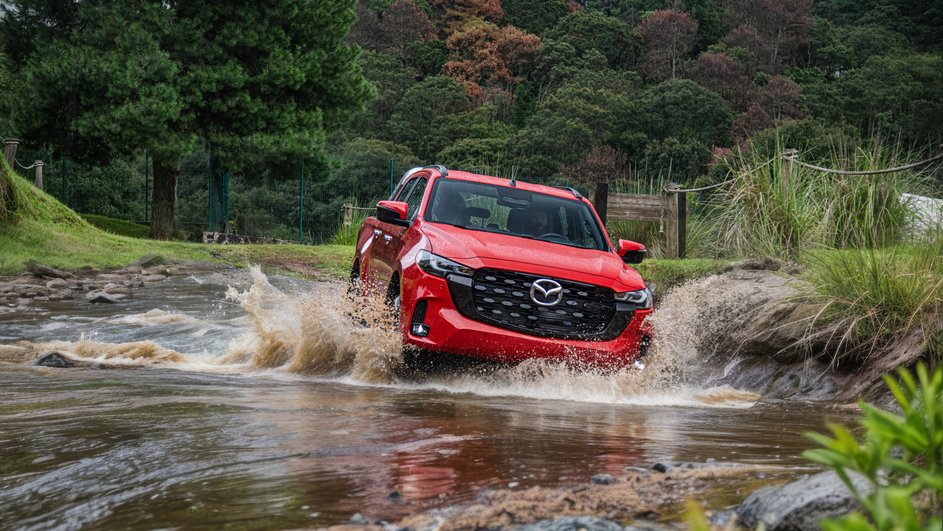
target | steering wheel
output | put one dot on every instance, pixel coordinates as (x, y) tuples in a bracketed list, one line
[(551, 235)]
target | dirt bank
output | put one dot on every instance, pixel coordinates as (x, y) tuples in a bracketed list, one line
[(641, 496)]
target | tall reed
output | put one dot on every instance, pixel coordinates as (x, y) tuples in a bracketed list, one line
[(779, 208)]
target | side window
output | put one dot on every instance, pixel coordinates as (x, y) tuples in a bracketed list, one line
[(404, 191), (414, 199)]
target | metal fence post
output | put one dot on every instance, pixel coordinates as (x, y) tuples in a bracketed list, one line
[(9, 150), (147, 186), (301, 201)]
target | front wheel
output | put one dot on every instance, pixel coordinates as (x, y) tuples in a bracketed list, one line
[(353, 283)]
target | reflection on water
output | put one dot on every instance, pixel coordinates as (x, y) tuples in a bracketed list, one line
[(277, 414)]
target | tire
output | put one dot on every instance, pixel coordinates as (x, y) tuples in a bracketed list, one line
[(353, 282)]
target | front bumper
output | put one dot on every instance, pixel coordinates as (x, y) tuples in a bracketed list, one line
[(451, 332)]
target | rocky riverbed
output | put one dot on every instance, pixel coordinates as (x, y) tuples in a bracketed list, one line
[(44, 284)]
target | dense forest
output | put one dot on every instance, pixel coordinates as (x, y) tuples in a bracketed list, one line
[(634, 91)]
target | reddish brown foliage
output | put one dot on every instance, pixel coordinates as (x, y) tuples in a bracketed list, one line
[(779, 98), (725, 76), (753, 120), (490, 57), (668, 37)]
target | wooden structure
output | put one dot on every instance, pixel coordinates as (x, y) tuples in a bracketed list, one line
[(9, 150), (670, 209)]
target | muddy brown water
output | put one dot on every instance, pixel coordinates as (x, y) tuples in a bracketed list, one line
[(270, 409)]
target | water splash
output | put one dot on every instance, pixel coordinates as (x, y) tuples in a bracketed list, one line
[(313, 334), (323, 333)]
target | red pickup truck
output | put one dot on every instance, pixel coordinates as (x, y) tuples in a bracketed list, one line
[(504, 270)]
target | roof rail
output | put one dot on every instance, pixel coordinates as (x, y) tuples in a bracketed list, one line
[(442, 169), (572, 190)]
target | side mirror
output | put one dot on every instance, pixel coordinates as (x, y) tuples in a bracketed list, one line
[(631, 252), (394, 212)]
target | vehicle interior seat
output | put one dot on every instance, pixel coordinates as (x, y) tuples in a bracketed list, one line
[(516, 219), (451, 209)]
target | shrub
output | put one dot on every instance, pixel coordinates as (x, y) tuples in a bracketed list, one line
[(901, 455)]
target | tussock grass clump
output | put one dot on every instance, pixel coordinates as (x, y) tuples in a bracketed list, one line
[(875, 296), (769, 211), (778, 208), (348, 235)]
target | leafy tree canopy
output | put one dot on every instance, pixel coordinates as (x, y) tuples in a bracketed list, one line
[(108, 78)]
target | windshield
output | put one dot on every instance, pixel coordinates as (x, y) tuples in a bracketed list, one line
[(507, 210)]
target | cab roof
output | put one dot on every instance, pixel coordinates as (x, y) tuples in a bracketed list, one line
[(501, 181)]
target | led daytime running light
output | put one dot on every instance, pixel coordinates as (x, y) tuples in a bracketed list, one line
[(441, 267)]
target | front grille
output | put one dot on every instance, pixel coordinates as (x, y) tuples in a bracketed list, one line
[(503, 298)]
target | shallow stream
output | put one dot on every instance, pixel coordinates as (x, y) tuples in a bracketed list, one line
[(269, 408)]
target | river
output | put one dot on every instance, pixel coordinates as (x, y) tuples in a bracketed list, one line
[(269, 408)]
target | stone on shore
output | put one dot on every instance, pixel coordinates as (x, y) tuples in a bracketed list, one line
[(802, 504)]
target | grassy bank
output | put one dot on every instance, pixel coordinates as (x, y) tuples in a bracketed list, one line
[(117, 226), (33, 225)]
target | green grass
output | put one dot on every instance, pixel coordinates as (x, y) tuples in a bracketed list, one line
[(348, 235), (667, 274), (33, 225), (875, 296), (117, 226)]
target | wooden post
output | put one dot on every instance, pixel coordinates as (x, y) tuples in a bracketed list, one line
[(788, 156), (348, 214), (9, 150), (38, 167), (671, 225), (676, 220), (601, 200)]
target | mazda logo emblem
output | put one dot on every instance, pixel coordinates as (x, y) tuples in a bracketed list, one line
[(546, 292)]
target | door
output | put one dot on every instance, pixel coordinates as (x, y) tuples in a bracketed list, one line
[(388, 244)]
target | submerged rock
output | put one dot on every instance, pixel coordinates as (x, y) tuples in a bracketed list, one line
[(96, 297), (803, 504), (55, 360), (603, 479)]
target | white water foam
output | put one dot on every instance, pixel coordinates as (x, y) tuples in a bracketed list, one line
[(319, 335)]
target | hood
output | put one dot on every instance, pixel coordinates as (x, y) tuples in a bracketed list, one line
[(478, 249)]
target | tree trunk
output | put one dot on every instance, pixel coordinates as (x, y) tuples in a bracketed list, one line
[(164, 199)]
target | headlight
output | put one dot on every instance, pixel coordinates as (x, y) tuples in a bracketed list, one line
[(440, 267), (641, 298)]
